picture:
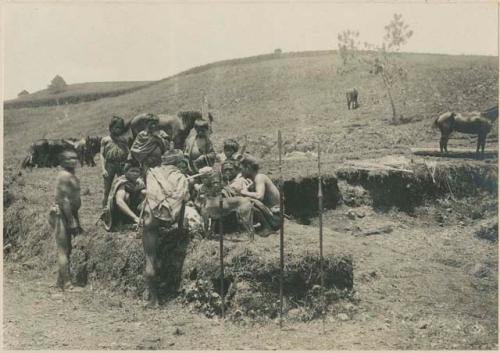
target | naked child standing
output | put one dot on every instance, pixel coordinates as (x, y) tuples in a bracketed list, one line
[(64, 215)]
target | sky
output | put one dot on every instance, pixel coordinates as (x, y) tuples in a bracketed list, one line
[(89, 42)]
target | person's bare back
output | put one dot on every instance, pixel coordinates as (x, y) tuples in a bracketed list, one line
[(271, 196)]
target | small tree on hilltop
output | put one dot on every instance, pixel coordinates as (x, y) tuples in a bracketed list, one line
[(384, 60), (57, 84), (348, 45)]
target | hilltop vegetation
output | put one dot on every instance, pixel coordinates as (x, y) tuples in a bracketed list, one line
[(76, 93), (301, 94)]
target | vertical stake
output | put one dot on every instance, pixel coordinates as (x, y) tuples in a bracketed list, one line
[(320, 207), (282, 261), (221, 250)]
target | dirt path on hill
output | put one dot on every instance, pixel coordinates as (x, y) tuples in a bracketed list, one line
[(421, 286)]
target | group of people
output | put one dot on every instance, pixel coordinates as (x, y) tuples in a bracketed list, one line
[(150, 183)]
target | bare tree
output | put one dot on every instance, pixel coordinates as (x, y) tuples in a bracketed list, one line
[(348, 45), (382, 60)]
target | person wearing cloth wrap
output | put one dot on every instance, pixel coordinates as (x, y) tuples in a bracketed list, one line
[(150, 144), (264, 194), (63, 217), (231, 171), (167, 193), (199, 149), (124, 197), (114, 153)]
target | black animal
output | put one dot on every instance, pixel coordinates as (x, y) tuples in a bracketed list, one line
[(352, 99), (44, 153)]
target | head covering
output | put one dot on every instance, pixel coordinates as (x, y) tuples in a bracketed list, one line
[(201, 124), (231, 144), (172, 157), (152, 118), (116, 121), (251, 162)]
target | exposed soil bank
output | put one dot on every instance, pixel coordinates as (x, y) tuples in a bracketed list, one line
[(412, 184)]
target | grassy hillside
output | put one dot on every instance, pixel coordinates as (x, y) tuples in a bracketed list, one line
[(301, 94), (76, 93)]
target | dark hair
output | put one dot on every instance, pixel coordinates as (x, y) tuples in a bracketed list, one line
[(63, 153), (116, 120), (250, 162), (231, 144)]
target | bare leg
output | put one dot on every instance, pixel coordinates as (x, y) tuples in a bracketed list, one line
[(150, 244), (63, 242), (107, 186)]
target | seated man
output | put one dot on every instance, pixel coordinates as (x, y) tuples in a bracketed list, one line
[(207, 202), (231, 172), (264, 194), (124, 197)]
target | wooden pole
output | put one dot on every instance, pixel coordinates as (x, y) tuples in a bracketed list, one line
[(204, 111), (282, 223), (221, 250), (321, 260)]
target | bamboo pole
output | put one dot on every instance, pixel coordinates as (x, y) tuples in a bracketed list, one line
[(321, 260), (221, 251), (282, 211)]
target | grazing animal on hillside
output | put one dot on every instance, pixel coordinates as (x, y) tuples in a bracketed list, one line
[(352, 99), (472, 123), (45, 152), (177, 126)]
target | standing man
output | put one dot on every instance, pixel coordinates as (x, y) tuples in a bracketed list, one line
[(63, 216), (114, 153), (264, 194), (199, 149)]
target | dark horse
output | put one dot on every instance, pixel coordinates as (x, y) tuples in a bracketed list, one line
[(176, 126), (352, 98), (472, 123)]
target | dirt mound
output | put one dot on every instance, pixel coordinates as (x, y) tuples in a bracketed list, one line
[(189, 265), (252, 276)]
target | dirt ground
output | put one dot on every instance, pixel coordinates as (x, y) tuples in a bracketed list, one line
[(423, 285)]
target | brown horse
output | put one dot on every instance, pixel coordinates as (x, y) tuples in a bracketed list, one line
[(176, 126), (472, 123)]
